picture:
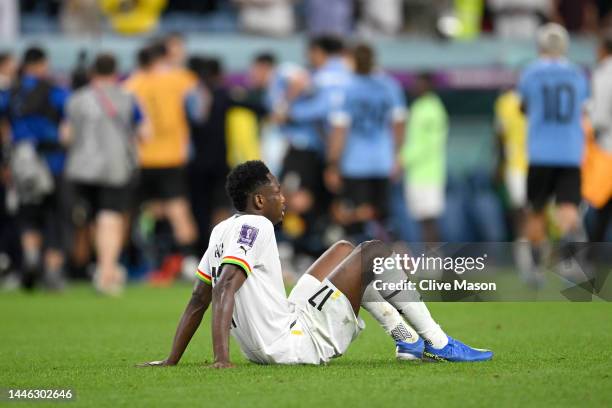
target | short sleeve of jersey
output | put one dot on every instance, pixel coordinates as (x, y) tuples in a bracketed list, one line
[(246, 248), (522, 88), (203, 272), (398, 100)]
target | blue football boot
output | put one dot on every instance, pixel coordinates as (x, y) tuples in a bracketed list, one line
[(409, 351), (456, 351)]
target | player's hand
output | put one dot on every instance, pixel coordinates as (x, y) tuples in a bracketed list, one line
[(222, 364), (160, 363)]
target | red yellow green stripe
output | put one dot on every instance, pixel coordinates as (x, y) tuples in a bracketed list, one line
[(238, 262), (204, 277)]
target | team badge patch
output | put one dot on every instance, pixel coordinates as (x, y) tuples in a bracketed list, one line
[(248, 235)]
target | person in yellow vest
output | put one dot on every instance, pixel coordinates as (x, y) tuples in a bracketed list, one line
[(161, 90), (511, 128)]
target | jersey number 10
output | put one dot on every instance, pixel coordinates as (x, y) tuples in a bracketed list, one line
[(558, 103)]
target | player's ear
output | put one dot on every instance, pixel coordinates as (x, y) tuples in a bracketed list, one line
[(258, 201)]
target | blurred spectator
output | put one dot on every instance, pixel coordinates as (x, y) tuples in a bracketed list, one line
[(424, 158), (161, 91), (519, 18), (9, 20), (207, 109), (577, 15), (329, 17), (362, 146), (133, 17), (35, 111), (380, 17), (262, 71), (81, 18), (266, 17), (511, 129), (600, 193), (102, 121)]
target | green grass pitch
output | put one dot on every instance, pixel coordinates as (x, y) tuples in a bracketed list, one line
[(547, 354)]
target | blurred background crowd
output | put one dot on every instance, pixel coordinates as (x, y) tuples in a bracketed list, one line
[(121, 119)]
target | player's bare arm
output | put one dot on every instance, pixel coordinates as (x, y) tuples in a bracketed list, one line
[(337, 141), (223, 294), (189, 323)]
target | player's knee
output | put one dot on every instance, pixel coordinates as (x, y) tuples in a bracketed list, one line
[(374, 249), (345, 245)]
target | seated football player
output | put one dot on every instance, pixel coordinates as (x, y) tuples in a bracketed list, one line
[(240, 273)]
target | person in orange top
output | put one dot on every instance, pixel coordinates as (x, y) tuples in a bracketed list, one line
[(161, 90)]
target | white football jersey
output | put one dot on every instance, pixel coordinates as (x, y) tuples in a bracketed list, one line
[(262, 315)]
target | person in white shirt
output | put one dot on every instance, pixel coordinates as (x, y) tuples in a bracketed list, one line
[(241, 274)]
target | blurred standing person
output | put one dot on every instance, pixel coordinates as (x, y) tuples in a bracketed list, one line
[(207, 109), (9, 238), (367, 130), (161, 92), (601, 117), (103, 120), (423, 156), (308, 102), (553, 91), (511, 129), (35, 112), (262, 72)]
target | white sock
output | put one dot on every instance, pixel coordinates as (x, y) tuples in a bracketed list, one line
[(387, 316), (418, 315), (412, 308)]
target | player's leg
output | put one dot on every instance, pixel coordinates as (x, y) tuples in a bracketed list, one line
[(573, 254), (540, 187), (408, 343), (355, 273)]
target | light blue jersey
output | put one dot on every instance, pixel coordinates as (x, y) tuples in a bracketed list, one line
[(553, 92), (327, 94), (372, 104), (301, 134)]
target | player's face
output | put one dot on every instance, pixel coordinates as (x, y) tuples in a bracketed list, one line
[(274, 209)]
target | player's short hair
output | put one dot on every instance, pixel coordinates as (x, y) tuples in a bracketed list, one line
[(365, 58), (105, 64), (330, 44), (34, 55), (552, 39), (244, 179), (157, 50), (143, 57), (265, 58)]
